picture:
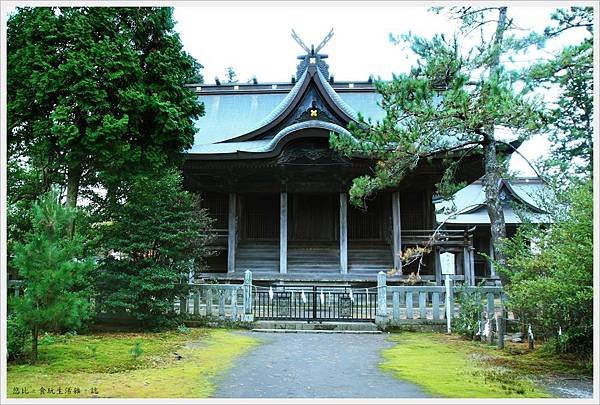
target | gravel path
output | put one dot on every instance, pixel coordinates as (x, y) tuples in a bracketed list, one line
[(310, 365), (564, 386)]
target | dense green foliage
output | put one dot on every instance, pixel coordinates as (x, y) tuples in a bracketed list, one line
[(550, 285), (55, 271), (17, 336), (97, 92), (155, 235), (98, 108)]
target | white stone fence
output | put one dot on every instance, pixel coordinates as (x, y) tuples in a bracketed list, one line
[(398, 305), (225, 301), (395, 305)]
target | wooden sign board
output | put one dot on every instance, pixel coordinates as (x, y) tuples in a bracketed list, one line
[(447, 263)]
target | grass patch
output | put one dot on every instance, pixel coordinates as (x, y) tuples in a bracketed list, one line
[(129, 365), (446, 366)]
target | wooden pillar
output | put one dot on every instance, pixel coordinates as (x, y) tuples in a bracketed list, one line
[(283, 205), (466, 266), (472, 264), (231, 233), (343, 234), (396, 230)]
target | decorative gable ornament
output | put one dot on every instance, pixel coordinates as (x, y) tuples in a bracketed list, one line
[(312, 56)]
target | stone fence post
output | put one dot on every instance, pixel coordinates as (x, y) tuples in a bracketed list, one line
[(248, 315), (381, 311)]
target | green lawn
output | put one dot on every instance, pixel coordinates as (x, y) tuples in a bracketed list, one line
[(446, 366), (102, 365)]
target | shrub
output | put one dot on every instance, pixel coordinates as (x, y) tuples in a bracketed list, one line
[(17, 336), (551, 287), (470, 305), (161, 233), (136, 350)]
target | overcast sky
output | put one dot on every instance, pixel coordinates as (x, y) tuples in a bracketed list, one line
[(255, 40)]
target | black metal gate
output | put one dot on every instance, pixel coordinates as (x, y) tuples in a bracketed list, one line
[(314, 303)]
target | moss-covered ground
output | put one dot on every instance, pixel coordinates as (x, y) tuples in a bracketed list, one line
[(450, 367), (169, 365)]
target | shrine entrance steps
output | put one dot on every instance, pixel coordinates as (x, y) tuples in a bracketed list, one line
[(313, 260), (315, 327)]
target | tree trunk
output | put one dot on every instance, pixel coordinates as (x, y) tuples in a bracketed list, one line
[(492, 168), (498, 39), (73, 180), (34, 344), (491, 182)]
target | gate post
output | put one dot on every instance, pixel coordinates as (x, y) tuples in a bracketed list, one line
[(248, 315), (314, 303), (381, 312)]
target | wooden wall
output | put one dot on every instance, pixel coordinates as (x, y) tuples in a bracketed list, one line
[(367, 224), (260, 216)]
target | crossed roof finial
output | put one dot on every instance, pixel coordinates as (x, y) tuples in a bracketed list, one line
[(312, 50), (312, 55)]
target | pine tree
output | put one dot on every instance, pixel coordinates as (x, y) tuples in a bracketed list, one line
[(571, 71), (450, 104), (55, 271)]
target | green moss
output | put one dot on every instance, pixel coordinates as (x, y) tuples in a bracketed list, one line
[(157, 373), (451, 368)]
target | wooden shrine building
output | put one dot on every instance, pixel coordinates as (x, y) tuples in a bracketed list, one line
[(278, 192)]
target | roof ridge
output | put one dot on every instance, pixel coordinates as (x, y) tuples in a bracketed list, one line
[(335, 97)]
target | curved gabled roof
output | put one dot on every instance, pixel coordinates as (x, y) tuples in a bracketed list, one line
[(281, 107), (236, 122), (311, 77), (470, 202)]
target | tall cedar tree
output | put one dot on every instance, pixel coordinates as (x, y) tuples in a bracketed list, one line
[(55, 272), (97, 92), (156, 234), (450, 103)]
